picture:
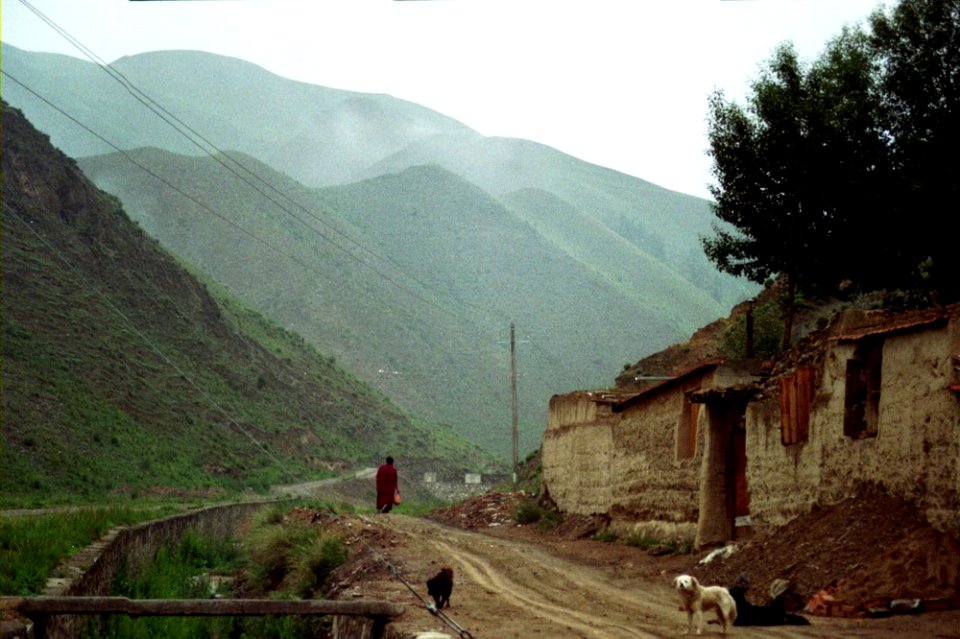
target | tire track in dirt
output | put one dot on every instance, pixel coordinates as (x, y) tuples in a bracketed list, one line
[(533, 601), (547, 588)]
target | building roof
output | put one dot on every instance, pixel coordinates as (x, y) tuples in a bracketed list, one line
[(666, 384), (904, 323)]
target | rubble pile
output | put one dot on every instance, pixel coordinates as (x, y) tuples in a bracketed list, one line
[(489, 510)]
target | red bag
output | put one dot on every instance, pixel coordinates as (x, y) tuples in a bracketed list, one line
[(396, 496)]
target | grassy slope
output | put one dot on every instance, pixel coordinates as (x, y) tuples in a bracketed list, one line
[(121, 371), (482, 264)]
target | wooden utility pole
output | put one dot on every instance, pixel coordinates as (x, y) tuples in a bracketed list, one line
[(513, 400)]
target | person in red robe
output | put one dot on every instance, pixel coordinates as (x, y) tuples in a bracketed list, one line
[(387, 486)]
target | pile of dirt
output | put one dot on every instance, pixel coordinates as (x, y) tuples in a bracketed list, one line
[(489, 510), (862, 552)]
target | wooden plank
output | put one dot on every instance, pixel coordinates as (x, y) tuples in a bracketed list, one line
[(805, 392), (788, 407), (32, 606)]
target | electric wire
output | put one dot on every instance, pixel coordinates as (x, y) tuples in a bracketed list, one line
[(432, 608), (217, 154), (132, 327)]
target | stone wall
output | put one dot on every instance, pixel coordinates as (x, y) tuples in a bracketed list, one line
[(914, 455)]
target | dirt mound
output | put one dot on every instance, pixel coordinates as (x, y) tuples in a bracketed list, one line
[(489, 510), (862, 552)]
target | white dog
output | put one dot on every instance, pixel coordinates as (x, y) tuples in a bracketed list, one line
[(697, 599)]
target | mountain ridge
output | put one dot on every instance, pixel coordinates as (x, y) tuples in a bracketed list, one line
[(124, 373), (643, 240)]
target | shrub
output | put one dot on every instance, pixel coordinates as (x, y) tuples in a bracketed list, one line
[(527, 512), (316, 560), (293, 557), (549, 519)]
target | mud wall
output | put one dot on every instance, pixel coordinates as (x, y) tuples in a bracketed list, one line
[(625, 464), (915, 453), (577, 454)]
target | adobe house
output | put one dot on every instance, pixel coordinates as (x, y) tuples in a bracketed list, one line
[(710, 454), (876, 401), (642, 458)]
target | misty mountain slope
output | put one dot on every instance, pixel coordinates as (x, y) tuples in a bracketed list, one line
[(432, 334), (442, 227), (662, 223), (318, 135), (349, 305), (322, 137), (123, 373), (416, 344), (637, 275)]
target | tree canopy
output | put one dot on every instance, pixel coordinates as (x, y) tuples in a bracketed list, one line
[(844, 170)]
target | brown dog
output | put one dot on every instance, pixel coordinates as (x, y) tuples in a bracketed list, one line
[(440, 586)]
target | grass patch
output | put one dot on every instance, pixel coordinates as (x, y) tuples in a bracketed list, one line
[(606, 535), (672, 547), (291, 558), (527, 512), (32, 546)]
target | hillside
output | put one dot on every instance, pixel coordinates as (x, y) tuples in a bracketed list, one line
[(123, 373), (460, 266), (596, 267), (318, 135), (663, 224)]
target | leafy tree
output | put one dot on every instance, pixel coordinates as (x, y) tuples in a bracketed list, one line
[(917, 45), (812, 172), (794, 169)]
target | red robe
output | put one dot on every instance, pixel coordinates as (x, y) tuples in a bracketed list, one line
[(386, 485)]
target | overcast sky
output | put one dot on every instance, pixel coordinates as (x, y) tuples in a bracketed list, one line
[(623, 84)]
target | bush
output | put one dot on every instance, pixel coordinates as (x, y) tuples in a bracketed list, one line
[(294, 557), (315, 561), (549, 519), (527, 512)]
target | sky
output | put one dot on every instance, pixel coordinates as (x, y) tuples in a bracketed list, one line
[(619, 83)]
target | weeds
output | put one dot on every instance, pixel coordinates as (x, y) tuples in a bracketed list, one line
[(527, 512), (671, 547), (31, 547), (293, 558)]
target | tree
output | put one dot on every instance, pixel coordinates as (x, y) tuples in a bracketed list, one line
[(917, 45), (843, 170), (793, 169)]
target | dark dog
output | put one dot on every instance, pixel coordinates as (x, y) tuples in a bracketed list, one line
[(772, 615), (440, 586)]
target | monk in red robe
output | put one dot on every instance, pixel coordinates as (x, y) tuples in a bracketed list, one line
[(387, 487)]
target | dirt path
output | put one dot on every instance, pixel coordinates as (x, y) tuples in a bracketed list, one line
[(509, 587)]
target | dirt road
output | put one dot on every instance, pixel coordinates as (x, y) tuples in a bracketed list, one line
[(509, 586)]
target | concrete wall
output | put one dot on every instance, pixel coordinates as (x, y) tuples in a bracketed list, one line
[(93, 572), (914, 455)]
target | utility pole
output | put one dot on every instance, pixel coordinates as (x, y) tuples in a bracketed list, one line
[(513, 400)]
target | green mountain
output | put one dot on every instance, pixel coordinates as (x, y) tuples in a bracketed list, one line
[(664, 224), (122, 372), (426, 242), (323, 137), (319, 136)]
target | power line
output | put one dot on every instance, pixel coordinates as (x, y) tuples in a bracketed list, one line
[(131, 326), (217, 154)]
